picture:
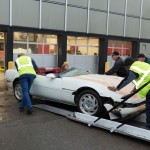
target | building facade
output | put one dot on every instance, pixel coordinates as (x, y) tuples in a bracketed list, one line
[(82, 32)]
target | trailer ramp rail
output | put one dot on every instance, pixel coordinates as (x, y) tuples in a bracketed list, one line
[(127, 130)]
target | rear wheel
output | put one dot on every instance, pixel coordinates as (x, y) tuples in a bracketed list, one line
[(17, 91), (89, 102)]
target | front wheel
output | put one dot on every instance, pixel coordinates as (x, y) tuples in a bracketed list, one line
[(89, 102)]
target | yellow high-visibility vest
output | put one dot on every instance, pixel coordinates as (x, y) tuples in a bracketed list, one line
[(24, 64), (143, 70)]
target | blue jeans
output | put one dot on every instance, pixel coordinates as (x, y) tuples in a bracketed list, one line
[(148, 110), (26, 81)]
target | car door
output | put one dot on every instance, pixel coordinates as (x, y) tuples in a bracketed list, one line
[(50, 88)]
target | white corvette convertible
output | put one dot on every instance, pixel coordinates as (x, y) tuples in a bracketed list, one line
[(87, 91)]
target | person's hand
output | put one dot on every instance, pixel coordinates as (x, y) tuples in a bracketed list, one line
[(134, 89), (112, 88)]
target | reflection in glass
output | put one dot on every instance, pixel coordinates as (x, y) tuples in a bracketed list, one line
[(71, 40), (71, 50), (81, 41), (92, 50), (72, 72), (118, 43), (123, 47), (20, 36), (2, 52), (50, 49), (34, 49), (81, 50), (53, 49), (93, 42), (127, 47), (50, 39), (110, 43), (19, 48), (36, 38), (79, 45)]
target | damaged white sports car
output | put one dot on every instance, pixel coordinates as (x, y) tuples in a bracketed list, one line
[(87, 91)]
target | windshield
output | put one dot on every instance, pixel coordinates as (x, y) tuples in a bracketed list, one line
[(73, 72)]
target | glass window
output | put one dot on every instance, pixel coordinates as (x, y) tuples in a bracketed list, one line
[(50, 49), (92, 50), (71, 40), (123, 47), (118, 47), (35, 44), (81, 50), (110, 43), (46, 49), (36, 38), (34, 49), (1, 35), (118, 44), (110, 47), (80, 45), (81, 41), (50, 39), (71, 49), (19, 48), (127, 47), (20, 36), (93, 42), (53, 49)]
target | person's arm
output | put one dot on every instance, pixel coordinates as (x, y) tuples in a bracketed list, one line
[(129, 78), (115, 68), (34, 65)]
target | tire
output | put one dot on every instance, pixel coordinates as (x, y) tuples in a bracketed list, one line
[(89, 102), (17, 91)]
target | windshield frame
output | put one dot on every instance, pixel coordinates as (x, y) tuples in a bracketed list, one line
[(74, 70)]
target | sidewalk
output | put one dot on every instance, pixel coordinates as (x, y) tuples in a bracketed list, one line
[(3, 86)]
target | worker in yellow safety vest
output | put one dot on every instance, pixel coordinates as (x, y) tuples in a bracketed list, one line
[(139, 73), (26, 68)]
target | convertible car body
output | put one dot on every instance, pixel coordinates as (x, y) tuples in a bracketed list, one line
[(87, 91)]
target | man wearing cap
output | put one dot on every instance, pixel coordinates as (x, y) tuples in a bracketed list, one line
[(143, 58), (139, 73), (118, 67)]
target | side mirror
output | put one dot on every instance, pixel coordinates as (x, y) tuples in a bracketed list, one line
[(50, 75)]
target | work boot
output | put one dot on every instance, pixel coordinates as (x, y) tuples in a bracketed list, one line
[(29, 111), (21, 109)]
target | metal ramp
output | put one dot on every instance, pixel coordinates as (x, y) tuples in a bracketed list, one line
[(54, 110), (109, 125)]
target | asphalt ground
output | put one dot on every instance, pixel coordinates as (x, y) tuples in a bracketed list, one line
[(46, 131)]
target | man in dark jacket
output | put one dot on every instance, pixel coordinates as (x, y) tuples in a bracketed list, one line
[(118, 67), (143, 58)]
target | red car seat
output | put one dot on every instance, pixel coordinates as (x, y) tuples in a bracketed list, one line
[(57, 70), (41, 71)]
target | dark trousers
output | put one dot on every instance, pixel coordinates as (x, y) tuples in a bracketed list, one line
[(26, 82), (148, 110)]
